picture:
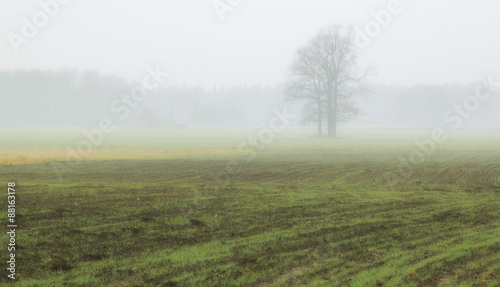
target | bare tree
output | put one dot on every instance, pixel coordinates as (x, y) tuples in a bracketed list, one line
[(325, 71), (305, 84)]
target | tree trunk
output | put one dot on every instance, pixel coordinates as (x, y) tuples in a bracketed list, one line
[(333, 132), (331, 120), (334, 113), (320, 120)]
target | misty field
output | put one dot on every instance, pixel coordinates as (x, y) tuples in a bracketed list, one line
[(159, 208)]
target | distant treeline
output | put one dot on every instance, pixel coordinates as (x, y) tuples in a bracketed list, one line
[(429, 105), (63, 98), (83, 98)]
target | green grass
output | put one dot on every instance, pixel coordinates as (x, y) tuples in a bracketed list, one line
[(144, 210)]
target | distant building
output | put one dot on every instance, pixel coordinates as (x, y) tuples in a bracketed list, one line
[(148, 119)]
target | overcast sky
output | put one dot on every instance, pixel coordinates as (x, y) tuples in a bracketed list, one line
[(427, 42)]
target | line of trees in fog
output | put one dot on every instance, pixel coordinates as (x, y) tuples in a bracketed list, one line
[(69, 98), (425, 105), (83, 98), (63, 98), (232, 106)]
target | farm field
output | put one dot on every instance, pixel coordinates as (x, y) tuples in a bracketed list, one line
[(190, 208)]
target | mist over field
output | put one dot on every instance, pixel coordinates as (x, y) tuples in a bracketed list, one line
[(250, 143), (226, 68), (73, 98)]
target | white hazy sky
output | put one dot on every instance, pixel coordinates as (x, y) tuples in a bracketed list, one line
[(428, 42)]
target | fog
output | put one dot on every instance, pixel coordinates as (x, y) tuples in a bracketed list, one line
[(225, 63), (250, 142)]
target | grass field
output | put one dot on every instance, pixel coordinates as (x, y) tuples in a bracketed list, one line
[(158, 208)]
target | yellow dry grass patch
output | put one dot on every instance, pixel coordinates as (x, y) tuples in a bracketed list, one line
[(23, 157)]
